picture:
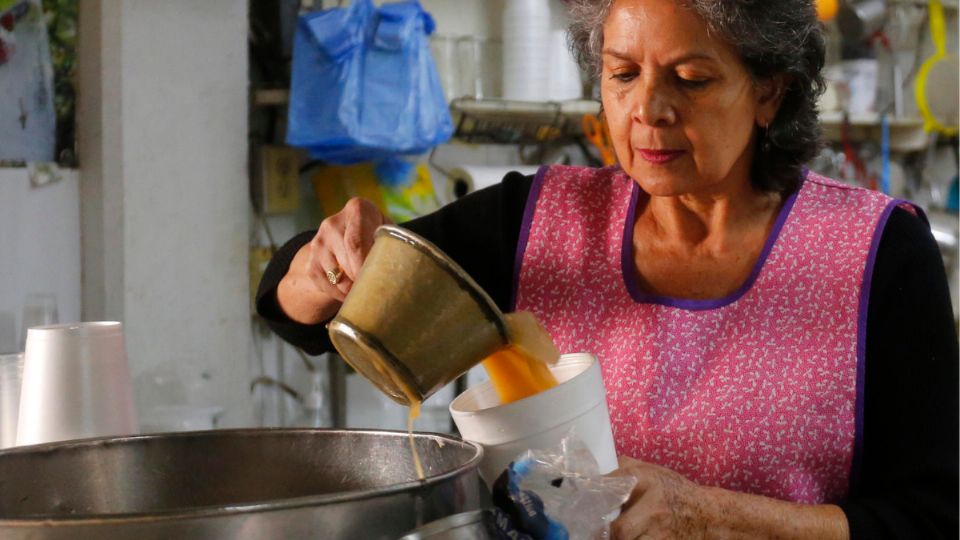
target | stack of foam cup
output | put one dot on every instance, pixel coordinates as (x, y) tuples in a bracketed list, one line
[(563, 78), (526, 50), (76, 384), (11, 375)]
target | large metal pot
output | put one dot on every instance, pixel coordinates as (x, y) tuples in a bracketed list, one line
[(236, 484)]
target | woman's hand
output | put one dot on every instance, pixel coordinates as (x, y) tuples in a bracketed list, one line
[(341, 245), (323, 271), (663, 504)]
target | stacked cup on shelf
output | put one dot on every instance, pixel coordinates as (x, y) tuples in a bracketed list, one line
[(526, 50), (564, 73), (11, 377), (537, 63)]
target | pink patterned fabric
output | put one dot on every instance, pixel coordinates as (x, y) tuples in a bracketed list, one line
[(757, 392)]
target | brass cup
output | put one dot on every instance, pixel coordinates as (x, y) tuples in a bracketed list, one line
[(414, 320)]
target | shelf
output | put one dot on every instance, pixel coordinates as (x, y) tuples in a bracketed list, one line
[(906, 134), (525, 122), (519, 122), (948, 4)]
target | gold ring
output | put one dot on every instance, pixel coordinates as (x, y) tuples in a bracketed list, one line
[(333, 276)]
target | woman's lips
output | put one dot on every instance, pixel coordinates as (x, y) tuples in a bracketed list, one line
[(658, 157)]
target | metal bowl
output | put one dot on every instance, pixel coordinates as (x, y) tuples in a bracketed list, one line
[(414, 320), (236, 484)]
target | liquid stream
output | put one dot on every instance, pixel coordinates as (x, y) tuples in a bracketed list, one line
[(516, 372)]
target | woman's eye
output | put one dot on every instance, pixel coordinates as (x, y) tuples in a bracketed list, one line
[(624, 76), (693, 83)]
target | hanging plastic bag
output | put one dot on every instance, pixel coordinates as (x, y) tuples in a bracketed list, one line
[(364, 85)]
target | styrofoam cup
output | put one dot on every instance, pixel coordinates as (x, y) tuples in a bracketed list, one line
[(11, 377), (540, 421), (76, 384)]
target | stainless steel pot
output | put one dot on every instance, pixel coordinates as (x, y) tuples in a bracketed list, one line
[(475, 525), (235, 484)]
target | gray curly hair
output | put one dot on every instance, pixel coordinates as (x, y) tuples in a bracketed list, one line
[(772, 37)]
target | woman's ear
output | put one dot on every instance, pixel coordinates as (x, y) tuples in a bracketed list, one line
[(770, 93)]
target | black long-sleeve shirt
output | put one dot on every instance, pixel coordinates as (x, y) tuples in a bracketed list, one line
[(907, 486)]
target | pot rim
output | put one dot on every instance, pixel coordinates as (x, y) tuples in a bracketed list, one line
[(232, 509)]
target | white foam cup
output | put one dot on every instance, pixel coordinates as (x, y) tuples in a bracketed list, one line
[(76, 384), (11, 377), (540, 421)]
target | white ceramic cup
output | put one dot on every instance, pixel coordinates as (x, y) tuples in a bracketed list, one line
[(540, 421), (76, 384)]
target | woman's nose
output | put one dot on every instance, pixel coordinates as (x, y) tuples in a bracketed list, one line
[(652, 106)]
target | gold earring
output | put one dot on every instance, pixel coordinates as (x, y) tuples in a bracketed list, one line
[(765, 144)]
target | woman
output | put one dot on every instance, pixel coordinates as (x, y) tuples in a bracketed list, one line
[(778, 348)]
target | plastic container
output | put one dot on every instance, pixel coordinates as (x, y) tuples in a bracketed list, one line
[(541, 420), (76, 384)]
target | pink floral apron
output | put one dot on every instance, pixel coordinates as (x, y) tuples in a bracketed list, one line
[(758, 392)]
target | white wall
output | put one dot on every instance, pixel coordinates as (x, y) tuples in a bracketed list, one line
[(478, 18), (39, 247), (163, 134)]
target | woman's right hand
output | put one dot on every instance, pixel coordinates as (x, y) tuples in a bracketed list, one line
[(323, 271)]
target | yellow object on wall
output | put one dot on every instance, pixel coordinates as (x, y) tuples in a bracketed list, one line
[(334, 185), (827, 9), (936, 85)]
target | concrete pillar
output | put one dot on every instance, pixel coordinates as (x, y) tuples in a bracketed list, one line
[(162, 132)]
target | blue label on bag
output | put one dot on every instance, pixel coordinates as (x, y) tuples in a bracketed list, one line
[(521, 513)]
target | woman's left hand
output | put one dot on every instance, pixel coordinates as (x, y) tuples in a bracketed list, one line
[(663, 504)]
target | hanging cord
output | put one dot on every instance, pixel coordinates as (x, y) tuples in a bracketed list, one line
[(270, 381)]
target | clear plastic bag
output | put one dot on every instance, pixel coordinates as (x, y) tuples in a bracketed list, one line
[(558, 494)]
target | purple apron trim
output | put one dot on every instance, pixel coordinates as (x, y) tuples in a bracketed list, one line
[(857, 461), (626, 249), (525, 224), (639, 296)]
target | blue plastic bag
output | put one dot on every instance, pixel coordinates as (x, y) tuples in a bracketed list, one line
[(364, 85)]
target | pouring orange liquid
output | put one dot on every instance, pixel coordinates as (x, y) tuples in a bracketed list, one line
[(518, 371), (521, 370), (414, 413), (414, 402)]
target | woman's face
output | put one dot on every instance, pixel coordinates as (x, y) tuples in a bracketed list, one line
[(680, 104)]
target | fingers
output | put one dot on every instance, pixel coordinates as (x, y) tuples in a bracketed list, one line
[(323, 259), (635, 518), (631, 525), (361, 219), (342, 244), (633, 521)]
